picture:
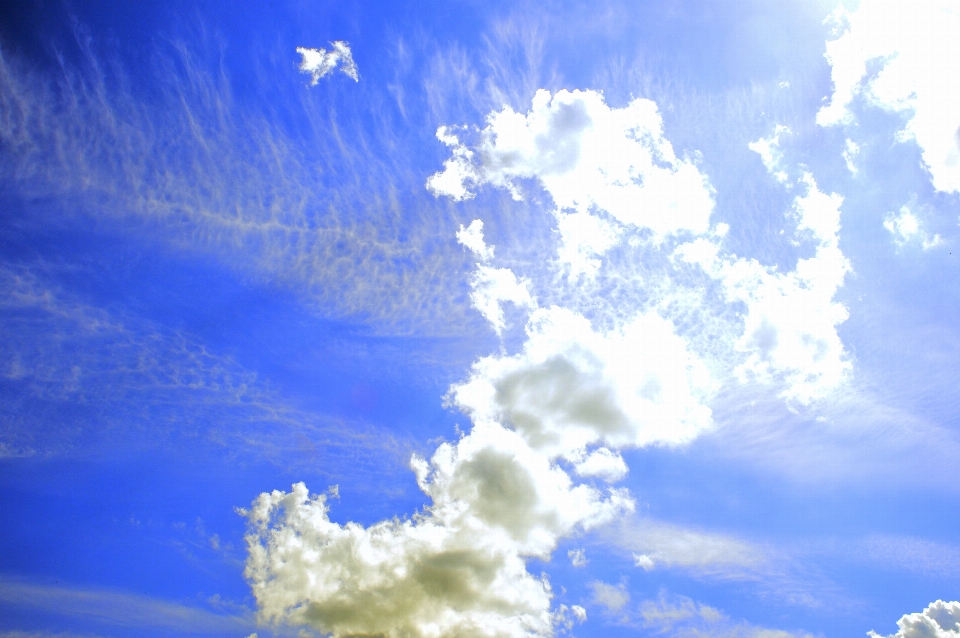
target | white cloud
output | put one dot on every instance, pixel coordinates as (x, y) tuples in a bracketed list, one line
[(790, 324), (939, 620), (471, 237), (676, 616), (906, 230), (318, 63), (910, 42), (604, 168), (578, 557), (612, 597), (601, 463), (505, 492), (491, 286), (655, 544), (768, 148), (573, 387), (850, 151), (457, 569)]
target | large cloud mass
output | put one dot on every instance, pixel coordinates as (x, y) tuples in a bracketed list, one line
[(550, 419)]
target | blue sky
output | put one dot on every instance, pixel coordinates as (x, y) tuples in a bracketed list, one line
[(479, 319)]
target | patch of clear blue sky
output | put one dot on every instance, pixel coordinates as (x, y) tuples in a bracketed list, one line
[(129, 483)]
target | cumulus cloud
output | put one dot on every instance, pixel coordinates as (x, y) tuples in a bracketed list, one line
[(790, 324), (906, 229), (909, 42), (939, 620), (578, 557), (318, 63), (604, 169), (572, 386), (563, 406), (456, 569)]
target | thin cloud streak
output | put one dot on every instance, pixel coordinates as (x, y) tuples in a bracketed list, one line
[(120, 608)]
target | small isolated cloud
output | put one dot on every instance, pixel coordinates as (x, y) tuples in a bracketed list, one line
[(906, 230), (578, 557), (768, 148), (939, 620), (850, 150), (318, 63), (611, 597), (910, 42), (604, 168)]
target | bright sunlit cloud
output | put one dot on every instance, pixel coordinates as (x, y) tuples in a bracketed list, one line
[(621, 319)]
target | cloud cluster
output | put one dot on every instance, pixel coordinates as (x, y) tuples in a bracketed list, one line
[(939, 620), (604, 168), (318, 63), (456, 569), (549, 420), (891, 56), (790, 324), (562, 407), (906, 229)]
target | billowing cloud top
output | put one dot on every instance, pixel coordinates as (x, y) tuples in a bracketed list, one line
[(319, 62), (938, 620)]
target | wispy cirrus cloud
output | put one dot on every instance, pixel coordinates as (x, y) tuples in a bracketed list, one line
[(80, 379), (678, 616), (280, 200), (118, 608)]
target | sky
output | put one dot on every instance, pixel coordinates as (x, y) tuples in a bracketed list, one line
[(479, 319)]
